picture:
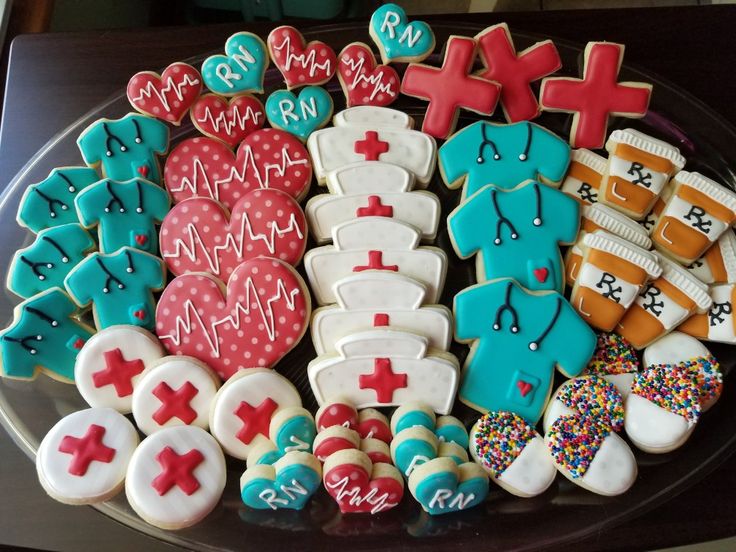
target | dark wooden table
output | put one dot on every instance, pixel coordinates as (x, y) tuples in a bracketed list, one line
[(54, 79)]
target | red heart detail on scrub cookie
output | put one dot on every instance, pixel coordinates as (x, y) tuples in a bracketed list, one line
[(267, 158), (262, 316), (524, 387), (143, 171), (364, 82), (300, 63), (541, 274), (141, 239), (140, 314), (199, 235), (167, 96), (229, 121), (79, 343)]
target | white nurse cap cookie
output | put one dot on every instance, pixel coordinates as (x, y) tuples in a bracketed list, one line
[(112, 362), (373, 116), (84, 457), (176, 477)]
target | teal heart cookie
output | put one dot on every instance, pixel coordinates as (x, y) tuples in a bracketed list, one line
[(293, 432), (397, 38), (240, 70), (442, 487), (288, 484), (300, 115)]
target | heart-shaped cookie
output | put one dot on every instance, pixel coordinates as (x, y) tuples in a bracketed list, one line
[(397, 38), (267, 158), (167, 96), (299, 115), (364, 82), (241, 69), (199, 235), (289, 483), (291, 429), (229, 121), (300, 63), (443, 487), (369, 422), (262, 316)]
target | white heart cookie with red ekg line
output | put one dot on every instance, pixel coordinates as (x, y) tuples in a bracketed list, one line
[(261, 317), (230, 121), (167, 96), (198, 234)]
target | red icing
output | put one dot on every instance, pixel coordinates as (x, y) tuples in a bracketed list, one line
[(377, 456), (79, 343), (300, 63), (118, 372), (364, 82), (330, 446), (141, 239), (266, 223), (143, 171), (261, 318), (375, 262), (371, 147), (541, 274), (255, 419), (380, 319), (338, 414), (175, 403), (524, 387), (374, 428), (140, 314), (167, 97), (267, 158), (450, 87), (230, 121), (354, 491), (87, 449), (515, 72), (375, 208), (178, 470), (384, 381), (596, 96)]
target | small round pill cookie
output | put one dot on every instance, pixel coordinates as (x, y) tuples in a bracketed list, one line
[(614, 360), (84, 457), (512, 453), (679, 349), (590, 397), (662, 408), (443, 487), (176, 390), (591, 455), (112, 363)]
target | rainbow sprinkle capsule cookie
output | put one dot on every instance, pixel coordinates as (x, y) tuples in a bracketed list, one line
[(614, 360), (590, 397)]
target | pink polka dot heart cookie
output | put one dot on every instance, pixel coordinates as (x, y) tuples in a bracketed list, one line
[(364, 82), (167, 96), (300, 63)]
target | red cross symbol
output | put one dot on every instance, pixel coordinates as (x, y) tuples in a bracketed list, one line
[(596, 96), (371, 146), (118, 372), (450, 87), (255, 420), (380, 319), (175, 403), (87, 449), (375, 262), (515, 72), (375, 208), (177, 470), (383, 380)]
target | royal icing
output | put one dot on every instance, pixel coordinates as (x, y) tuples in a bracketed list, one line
[(447, 429), (443, 487), (299, 115), (167, 96), (287, 484), (368, 423), (241, 69), (397, 38), (300, 63), (584, 175), (362, 80), (591, 397), (228, 120), (718, 264), (718, 323), (373, 116), (291, 429), (334, 438), (614, 360), (413, 446)]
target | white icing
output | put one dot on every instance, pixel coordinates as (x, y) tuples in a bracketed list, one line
[(227, 120), (723, 330), (652, 428), (622, 382), (306, 61), (620, 168), (373, 232), (678, 208), (702, 270), (356, 67), (162, 92), (556, 409), (369, 176), (373, 116), (532, 472), (670, 313), (590, 275), (613, 469)]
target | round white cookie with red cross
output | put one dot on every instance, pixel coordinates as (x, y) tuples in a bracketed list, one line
[(176, 477), (84, 457), (241, 413), (176, 390), (112, 362)]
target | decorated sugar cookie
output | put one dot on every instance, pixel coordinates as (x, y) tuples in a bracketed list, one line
[(413, 446), (447, 429), (291, 429), (119, 286), (254, 322), (50, 202), (48, 260), (167, 96), (241, 69), (242, 411), (362, 80), (300, 63), (176, 477), (718, 264), (374, 243), (125, 213), (589, 397), (443, 487), (299, 115), (266, 158), (111, 364), (515, 72), (526, 226), (591, 455), (84, 457), (289, 483), (45, 336), (502, 155), (199, 235), (450, 87), (512, 453), (334, 438), (369, 423), (369, 115), (228, 120), (397, 38), (524, 336), (584, 175), (614, 360), (718, 324), (125, 148), (175, 390), (597, 96), (377, 450)]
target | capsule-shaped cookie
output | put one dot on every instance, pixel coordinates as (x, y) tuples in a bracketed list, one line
[(615, 361), (590, 397)]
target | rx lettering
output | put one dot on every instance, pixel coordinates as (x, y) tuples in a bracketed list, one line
[(607, 283), (640, 175), (697, 216), (653, 305)]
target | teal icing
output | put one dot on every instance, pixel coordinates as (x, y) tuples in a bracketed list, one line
[(240, 70), (291, 489), (453, 434), (415, 418), (296, 434), (443, 493), (399, 38), (411, 453), (299, 115)]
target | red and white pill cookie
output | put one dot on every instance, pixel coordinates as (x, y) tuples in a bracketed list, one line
[(176, 477), (300, 63), (228, 120), (177, 390), (111, 364), (362, 80), (84, 457), (167, 96)]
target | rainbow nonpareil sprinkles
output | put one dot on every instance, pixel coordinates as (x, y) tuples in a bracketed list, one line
[(706, 375), (596, 398), (574, 442), (499, 438), (670, 387), (613, 355)]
